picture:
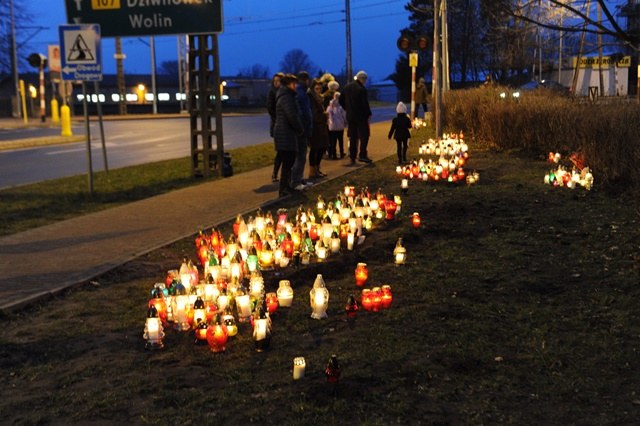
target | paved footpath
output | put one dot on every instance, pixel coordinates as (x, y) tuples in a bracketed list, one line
[(39, 263)]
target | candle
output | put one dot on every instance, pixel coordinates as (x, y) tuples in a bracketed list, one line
[(298, 368)]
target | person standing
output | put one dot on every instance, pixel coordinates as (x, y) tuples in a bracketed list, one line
[(304, 108), (287, 128), (271, 108), (337, 122), (319, 134), (355, 101), (400, 130), (421, 97)]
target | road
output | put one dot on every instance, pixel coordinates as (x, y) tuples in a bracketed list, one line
[(128, 142)]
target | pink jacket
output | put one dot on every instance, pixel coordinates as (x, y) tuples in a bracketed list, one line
[(337, 117)]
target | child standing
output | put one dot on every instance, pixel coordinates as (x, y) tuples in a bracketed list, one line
[(400, 126)]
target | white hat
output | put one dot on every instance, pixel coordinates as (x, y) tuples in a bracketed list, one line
[(361, 75), (401, 108)]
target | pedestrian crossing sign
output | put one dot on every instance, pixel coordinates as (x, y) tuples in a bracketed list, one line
[(81, 52)]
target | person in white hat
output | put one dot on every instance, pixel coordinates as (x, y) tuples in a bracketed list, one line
[(400, 131)]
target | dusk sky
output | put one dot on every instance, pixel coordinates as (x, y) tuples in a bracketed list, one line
[(261, 32)]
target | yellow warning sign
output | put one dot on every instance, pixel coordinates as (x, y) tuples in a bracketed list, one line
[(105, 4)]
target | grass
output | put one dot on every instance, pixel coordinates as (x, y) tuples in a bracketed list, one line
[(518, 305), (21, 207)]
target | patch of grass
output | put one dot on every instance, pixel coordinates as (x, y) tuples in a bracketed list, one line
[(517, 305), (21, 207)]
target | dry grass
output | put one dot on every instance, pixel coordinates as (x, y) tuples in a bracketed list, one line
[(608, 133)]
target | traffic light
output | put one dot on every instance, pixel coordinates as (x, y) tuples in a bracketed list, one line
[(423, 43), (405, 43), (37, 59)]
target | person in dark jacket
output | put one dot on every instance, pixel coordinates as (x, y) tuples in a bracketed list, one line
[(400, 131), (304, 108), (355, 101), (287, 129), (271, 108), (319, 140)]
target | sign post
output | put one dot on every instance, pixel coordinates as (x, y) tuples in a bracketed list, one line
[(82, 60)]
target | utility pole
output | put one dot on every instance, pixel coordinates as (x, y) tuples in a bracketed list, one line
[(349, 68), (14, 60), (152, 48), (437, 80), (122, 103)]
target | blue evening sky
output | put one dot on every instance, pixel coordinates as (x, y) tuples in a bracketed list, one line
[(261, 32)]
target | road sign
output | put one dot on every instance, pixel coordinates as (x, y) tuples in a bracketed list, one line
[(148, 17), (81, 56)]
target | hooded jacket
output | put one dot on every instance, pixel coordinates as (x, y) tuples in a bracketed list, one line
[(288, 125)]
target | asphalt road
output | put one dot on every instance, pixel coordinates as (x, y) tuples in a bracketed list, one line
[(128, 142)]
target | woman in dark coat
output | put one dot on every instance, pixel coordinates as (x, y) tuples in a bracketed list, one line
[(286, 129), (319, 140), (271, 108)]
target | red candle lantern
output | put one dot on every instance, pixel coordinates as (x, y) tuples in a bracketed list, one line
[(272, 302), (287, 245), (332, 371), (351, 308), (314, 232), (387, 297), (460, 174), (362, 274), (210, 310), (390, 208), (217, 336), (366, 300), (415, 220)]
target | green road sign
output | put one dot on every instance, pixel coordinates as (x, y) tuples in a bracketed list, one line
[(147, 17)]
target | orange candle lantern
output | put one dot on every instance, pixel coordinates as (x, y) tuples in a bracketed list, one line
[(386, 297), (366, 299), (362, 274), (217, 336), (198, 311), (157, 300), (153, 332), (415, 220), (201, 333), (376, 299)]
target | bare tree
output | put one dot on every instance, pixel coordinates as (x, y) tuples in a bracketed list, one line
[(254, 71), (22, 32), (296, 60)]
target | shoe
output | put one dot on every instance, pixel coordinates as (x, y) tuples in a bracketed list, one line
[(274, 178), (285, 193), (321, 174), (342, 155), (300, 187), (365, 159)]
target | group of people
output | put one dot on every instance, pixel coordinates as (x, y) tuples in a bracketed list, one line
[(311, 115)]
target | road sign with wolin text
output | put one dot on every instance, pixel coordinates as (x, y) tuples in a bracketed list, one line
[(81, 56), (125, 18)]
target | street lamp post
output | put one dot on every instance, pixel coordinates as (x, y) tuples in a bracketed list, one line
[(14, 60)]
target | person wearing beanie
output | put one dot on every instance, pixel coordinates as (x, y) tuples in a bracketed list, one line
[(304, 107), (422, 97), (337, 121), (400, 131), (355, 101)]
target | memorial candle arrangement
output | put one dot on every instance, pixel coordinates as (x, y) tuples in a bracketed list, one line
[(569, 176)]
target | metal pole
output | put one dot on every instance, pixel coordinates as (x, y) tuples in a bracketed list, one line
[(88, 132), (349, 70), (14, 62), (96, 88), (437, 69), (152, 47), (413, 88), (122, 103), (43, 109)]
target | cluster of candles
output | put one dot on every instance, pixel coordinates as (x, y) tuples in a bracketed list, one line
[(419, 123), (452, 153), (233, 285), (578, 176)]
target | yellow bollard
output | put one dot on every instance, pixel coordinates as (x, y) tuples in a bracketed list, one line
[(55, 114), (65, 115), (23, 97)]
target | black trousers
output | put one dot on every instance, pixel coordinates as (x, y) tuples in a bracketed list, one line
[(358, 133), (288, 158)]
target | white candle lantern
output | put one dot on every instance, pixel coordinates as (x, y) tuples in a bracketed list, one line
[(399, 253), (180, 310), (299, 366), (243, 303), (285, 294), (153, 331), (350, 240), (335, 243), (319, 298), (256, 286)]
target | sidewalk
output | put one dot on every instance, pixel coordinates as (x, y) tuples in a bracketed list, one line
[(38, 264)]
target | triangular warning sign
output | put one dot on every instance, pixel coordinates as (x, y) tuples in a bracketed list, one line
[(80, 51)]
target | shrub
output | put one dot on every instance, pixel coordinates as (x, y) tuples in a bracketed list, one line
[(607, 132)]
